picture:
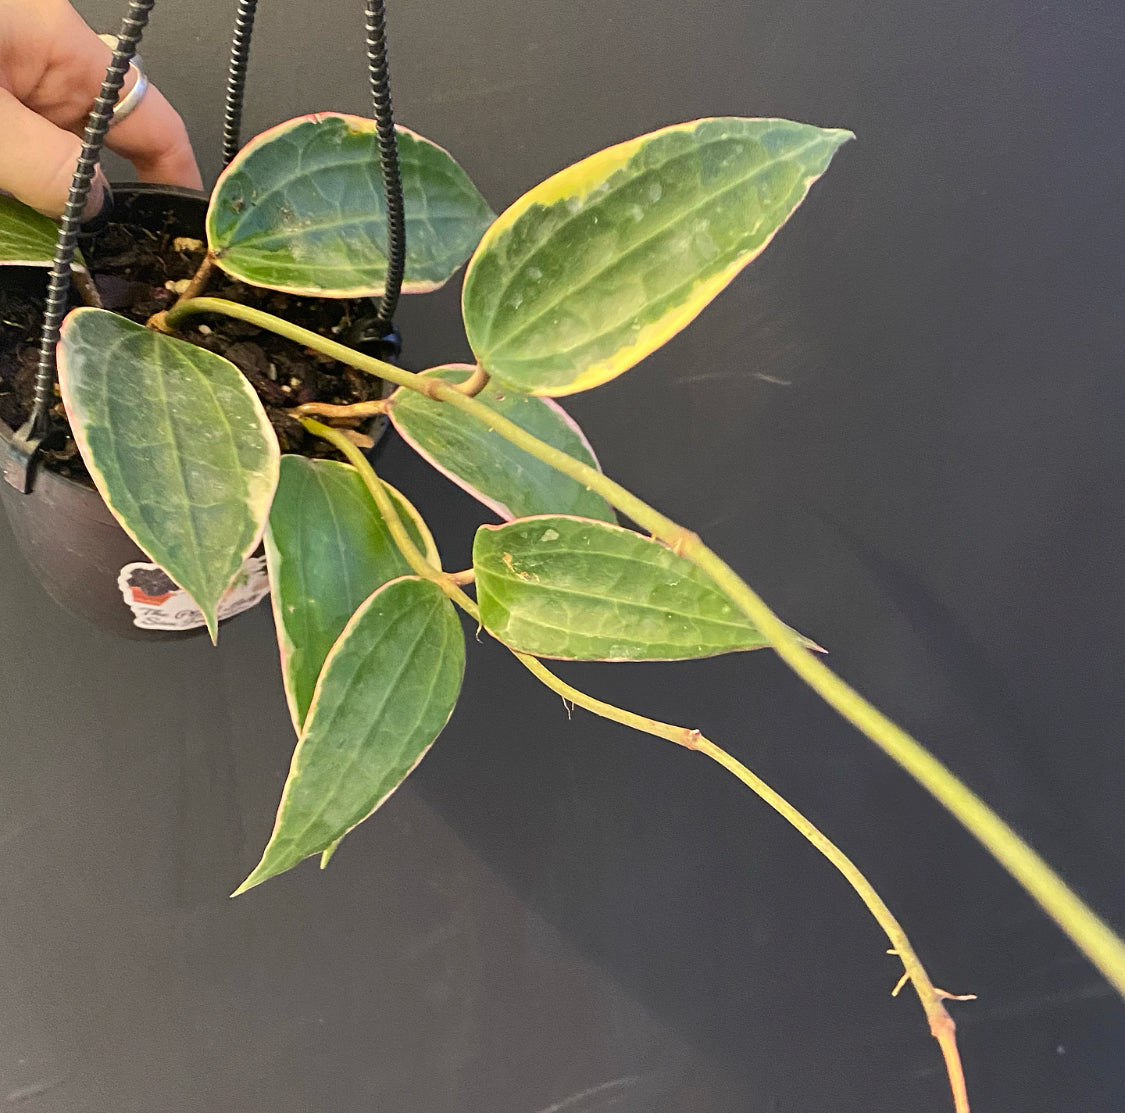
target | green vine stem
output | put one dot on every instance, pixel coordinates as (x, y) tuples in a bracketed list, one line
[(941, 1023), (1087, 930)]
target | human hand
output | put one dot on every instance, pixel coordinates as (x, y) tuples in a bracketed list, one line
[(51, 70)]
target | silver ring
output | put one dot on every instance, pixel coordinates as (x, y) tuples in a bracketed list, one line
[(128, 103)]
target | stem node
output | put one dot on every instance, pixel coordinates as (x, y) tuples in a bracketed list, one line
[(689, 739), (159, 322), (682, 541), (1094, 937)]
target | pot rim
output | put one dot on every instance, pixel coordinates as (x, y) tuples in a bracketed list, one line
[(124, 189)]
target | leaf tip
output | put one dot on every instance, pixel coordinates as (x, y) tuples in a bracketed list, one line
[(268, 867), (251, 882), (273, 863)]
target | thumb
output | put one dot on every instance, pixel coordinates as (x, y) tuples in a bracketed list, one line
[(37, 160)]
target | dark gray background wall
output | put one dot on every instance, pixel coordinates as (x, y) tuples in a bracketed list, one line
[(903, 425)]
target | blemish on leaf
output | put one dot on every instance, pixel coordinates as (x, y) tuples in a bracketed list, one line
[(550, 535), (508, 563)]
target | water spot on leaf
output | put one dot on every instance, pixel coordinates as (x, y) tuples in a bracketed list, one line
[(655, 191)]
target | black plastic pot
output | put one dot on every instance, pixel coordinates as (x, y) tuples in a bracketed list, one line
[(82, 557)]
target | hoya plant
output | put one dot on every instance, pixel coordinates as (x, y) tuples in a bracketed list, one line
[(571, 286)]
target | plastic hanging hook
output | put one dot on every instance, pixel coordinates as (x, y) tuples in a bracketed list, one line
[(19, 458), (372, 337)]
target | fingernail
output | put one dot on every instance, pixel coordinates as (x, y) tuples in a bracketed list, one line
[(94, 200), (99, 204)]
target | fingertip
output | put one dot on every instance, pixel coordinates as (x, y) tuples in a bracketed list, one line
[(97, 199), (177, 170), (155, 140), (97, 212)]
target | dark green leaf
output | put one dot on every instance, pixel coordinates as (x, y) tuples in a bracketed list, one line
[(176, 442), (505, 478), (27, 237), (387, 690), (576, 589), (301, 209), (328, 549), (601, 264)]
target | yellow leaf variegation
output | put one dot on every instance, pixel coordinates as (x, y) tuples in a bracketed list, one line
[(604, 262)]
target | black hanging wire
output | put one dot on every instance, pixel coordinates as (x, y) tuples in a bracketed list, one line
[(132, 27), (388, 160), (379, 73), (236, 77)]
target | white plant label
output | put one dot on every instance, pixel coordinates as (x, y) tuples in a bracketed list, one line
[(158, 604)]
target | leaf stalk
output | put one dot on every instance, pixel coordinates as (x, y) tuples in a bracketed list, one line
[(1086, 929), (941, 1023)]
